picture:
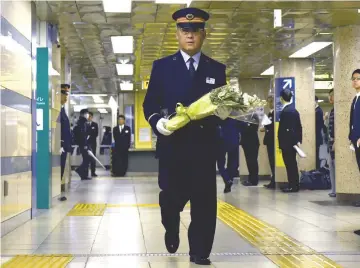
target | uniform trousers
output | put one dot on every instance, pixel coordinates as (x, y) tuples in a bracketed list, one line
[(289, 156), (190, 175), (231, 169), (251, 152), (271, 157)]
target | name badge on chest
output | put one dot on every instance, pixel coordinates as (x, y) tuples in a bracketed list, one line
[(210, 80)]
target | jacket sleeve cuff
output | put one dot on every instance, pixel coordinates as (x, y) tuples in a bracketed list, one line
[(153, 119)]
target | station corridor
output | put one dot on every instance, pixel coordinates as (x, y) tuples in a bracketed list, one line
[(111, 222)]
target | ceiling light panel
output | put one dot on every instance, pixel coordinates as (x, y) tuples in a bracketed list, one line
[(269, 71), (122, 44), (125, 69), (117, 6), (310, 49)]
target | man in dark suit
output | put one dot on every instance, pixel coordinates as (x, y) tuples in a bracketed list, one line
[(94, 132), (229, 132), (319, 128), (250, 144), (187, 157), (354, 135), (122, 137), (289, 135), (269, 142), (82, 135), (65, 132)]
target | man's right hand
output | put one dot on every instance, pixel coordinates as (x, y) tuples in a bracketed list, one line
[(160, 126), (262, 129)]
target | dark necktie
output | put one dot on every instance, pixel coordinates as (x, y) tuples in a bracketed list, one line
[(191, 67)]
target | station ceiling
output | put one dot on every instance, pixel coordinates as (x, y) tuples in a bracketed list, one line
[(240, 34)]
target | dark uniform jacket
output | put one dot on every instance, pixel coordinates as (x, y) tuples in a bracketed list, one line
[(354, 134), (123, 139), (269, 131), (82, 133), (290, 129), (319, 125), (94, 132), (171, 83), (65, 131)]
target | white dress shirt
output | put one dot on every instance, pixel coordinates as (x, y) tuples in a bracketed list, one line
[(121, 127), (196, 58), (357, 98)]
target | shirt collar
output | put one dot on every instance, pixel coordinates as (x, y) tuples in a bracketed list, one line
[(358, 94), (286, 104), (186, 57)]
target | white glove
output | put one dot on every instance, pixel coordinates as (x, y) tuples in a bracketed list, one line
[(160, 126), (62, 150)]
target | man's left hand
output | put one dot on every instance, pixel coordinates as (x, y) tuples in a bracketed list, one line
[(358, 143)]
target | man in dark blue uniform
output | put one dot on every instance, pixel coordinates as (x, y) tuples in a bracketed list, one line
[(65, 132), (250, 144), (229, 132), (94, 132), (319, 128), (269, 142), (82, 135), (289, 135), (354, 135), (187, 157)]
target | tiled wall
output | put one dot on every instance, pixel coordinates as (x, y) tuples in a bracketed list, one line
[(16, 121)]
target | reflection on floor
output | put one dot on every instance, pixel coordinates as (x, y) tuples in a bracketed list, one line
[(128, 235)]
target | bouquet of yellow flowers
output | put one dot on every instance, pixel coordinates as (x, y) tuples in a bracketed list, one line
[(226, 101)]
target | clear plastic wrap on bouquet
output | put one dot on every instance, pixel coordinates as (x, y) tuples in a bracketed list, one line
[(226, 101)]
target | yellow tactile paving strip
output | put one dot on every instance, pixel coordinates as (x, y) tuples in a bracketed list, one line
[(87, 210), (99, 209), (37, 261), (280, 248)]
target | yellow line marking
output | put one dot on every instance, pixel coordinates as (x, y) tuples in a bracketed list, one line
[(87, 210), (280, 248), (37, 261)]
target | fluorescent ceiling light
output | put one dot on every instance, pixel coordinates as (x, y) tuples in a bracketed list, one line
[(88, 95), (78, 108), (320, 100), (310, 49), (187, 2), (126, 86), (102, 111), (277, 18), (98, 99), (125, 69), (117, 6), (122, 44), (269, 71)]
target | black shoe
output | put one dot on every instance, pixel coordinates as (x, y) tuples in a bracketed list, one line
[(248, 183), (270, 185), (357, 232), (86, 179), (94, 175), (200, 260), (228, 187), (357, 204), (172, 242), (63, 198), (290, 190)]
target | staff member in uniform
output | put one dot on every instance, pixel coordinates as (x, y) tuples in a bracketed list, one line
[(290, 134), (319, 127), (354, 135), (187, 156), (229, 132), (250, 143), (82, 135), (269, 142), (94, 132), (122, 137), (65, 132)]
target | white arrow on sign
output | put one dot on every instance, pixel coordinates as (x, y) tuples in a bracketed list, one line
[(288, 82)]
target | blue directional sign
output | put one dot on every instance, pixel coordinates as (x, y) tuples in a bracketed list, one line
[(281, 84)]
